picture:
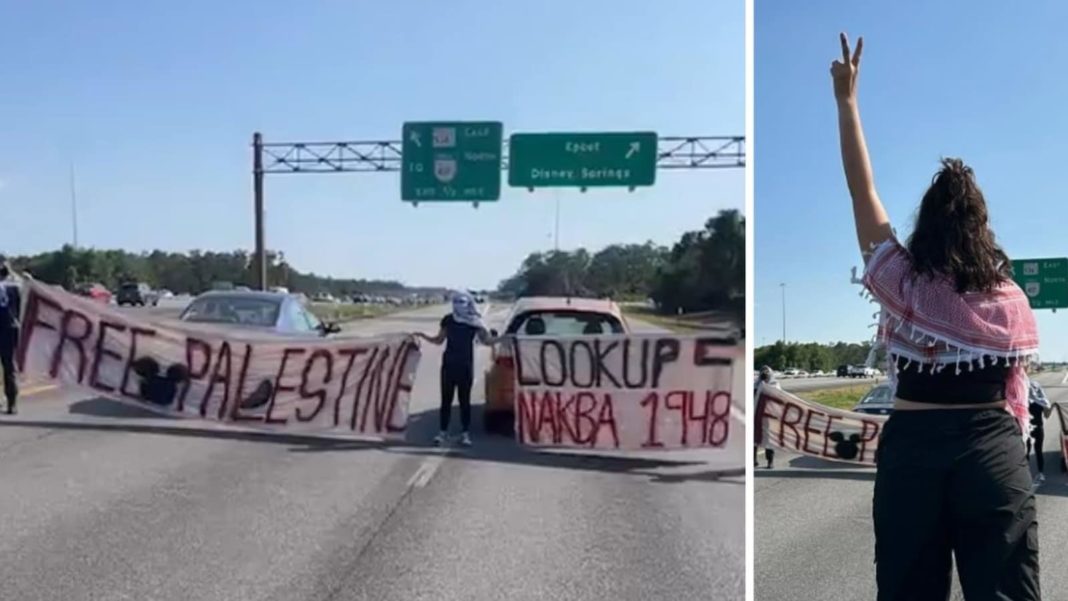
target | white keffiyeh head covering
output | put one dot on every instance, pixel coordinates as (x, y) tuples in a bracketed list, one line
[(465, 311)]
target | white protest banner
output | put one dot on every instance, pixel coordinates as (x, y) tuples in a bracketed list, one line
[(628, 392), (793, 424), (355, 387)]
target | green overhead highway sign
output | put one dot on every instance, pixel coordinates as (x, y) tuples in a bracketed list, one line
[(1045, 281), (626, 159), (451, 161)]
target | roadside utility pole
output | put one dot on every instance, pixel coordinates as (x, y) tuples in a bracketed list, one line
[(260, 259), (783, 286)]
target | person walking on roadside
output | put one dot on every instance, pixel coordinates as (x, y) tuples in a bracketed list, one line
[(458, 330), (766, 378), (10, 308), (1040, 408), (952, 480)]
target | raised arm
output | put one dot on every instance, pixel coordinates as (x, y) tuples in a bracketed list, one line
[(872, 222)]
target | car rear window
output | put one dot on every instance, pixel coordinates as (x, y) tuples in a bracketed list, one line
[(878, 395), (564, 323), (242, 311)]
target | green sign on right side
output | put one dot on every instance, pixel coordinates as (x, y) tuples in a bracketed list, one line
[(1045, 281), (580, 160)]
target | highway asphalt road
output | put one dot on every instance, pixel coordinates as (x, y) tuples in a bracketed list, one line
[(814, 540), (102, 501)]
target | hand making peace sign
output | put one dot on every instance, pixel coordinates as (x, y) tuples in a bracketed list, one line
[(844, 72)]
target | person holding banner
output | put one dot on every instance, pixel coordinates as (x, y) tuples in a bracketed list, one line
[(458, 331), (1040, 409), (952, 477), (10, 309), (766, 378)]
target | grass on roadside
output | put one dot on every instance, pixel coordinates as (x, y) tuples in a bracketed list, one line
[(341, 313), (679, 324), (843, 397)]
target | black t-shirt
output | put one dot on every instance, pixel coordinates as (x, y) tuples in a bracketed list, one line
[(9, 310), (1038, 415), (459, 343)]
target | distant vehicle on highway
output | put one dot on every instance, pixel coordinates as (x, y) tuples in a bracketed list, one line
[(136, 294), (791, 372), (164, 293), (863, 371), (281, 314), (541, 316), (279, 289), (878, 401), (96, 292), (324, 297), (842, 371)]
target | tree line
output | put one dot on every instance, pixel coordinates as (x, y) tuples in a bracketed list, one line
[(703, 271), (811, 356), (191, 272)]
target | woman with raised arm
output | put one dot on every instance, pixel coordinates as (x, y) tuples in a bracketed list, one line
[(952, 477)]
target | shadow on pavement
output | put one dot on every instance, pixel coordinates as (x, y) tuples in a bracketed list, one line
[(103, 407), (815, 463), (499, 449), (817, 474), (421, 429), (734, 476), (190, 432)]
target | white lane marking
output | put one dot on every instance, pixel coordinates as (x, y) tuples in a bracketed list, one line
[(426, 471)]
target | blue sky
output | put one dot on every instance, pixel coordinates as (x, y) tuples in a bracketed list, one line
[(984, 81), (155, 104)]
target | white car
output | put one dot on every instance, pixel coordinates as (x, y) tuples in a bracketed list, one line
[(862, 371)]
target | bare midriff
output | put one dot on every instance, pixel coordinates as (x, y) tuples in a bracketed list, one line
[(903, 405)]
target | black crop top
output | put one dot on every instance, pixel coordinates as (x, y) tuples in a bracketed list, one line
[(947, 387)]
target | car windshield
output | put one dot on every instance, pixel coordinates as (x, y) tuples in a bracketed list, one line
[(242, 310), (877, 396), (565, 323), (130, 287)]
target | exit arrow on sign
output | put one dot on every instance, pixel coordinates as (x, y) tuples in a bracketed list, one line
[(634, 148)]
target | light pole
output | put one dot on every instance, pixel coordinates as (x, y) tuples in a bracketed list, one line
[(73, 206), (556, 231), (783, 286)]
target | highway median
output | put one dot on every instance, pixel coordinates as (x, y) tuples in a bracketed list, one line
[(342, 313)]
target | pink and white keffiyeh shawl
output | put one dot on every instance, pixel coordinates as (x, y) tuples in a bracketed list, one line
[(926, 322)]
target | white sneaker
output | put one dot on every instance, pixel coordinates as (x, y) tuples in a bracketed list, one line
[(1039, 479), (465, 440), (441, 438)]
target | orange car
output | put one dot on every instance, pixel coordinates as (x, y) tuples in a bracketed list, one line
[(541, 316)]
